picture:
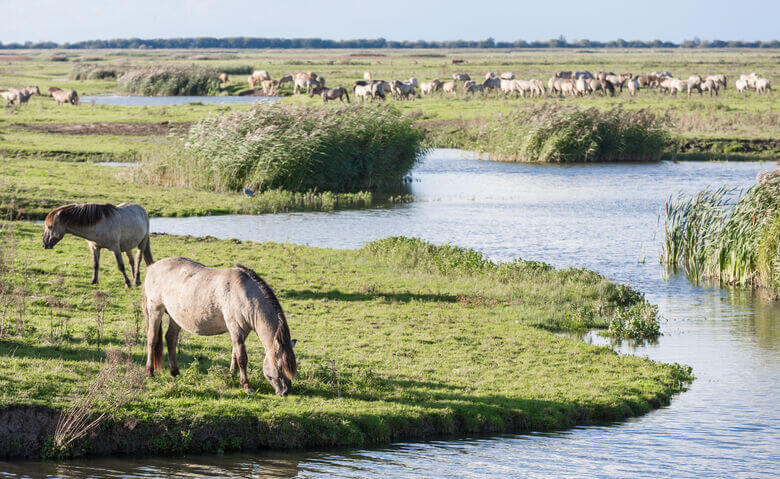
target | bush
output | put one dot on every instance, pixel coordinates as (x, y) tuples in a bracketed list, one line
[(235, 69), (170, 80), (342, 149), (730, 237), (91, 71), (552, 132)]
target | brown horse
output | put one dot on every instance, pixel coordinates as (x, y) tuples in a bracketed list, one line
[(117, 228), (207, 302)]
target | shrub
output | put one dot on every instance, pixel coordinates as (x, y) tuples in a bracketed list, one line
[(91, 71), (342, 149), (552, 132), (727, 236), (170, 80)]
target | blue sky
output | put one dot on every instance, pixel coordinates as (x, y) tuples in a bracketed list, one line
[(672, 20)]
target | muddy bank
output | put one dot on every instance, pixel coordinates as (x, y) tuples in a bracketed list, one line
[(26, 432), (106, 128)]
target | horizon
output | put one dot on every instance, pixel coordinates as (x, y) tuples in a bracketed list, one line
[(667, 20)]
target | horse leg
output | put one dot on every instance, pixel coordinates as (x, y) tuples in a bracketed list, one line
[(121, 265), (239, 351), (153, 337), (132, 264), (95, 260), (138, 255), (172, 339)]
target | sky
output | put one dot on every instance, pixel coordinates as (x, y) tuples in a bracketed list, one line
[(668, 20)]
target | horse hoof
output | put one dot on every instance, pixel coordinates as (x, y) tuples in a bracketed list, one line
[(247, 389), (150, 372), (175, 372)]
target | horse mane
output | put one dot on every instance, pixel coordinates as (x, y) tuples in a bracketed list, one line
[(285, 354), (81, 214)]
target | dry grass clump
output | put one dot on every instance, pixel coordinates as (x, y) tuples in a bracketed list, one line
[(732, 237), (118, 382)]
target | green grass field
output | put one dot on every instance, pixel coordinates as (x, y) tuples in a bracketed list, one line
[(732, 123), (433, 345)]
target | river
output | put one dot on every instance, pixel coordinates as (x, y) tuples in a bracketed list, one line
[(600, 216)]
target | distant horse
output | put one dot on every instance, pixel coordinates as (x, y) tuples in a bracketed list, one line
[(117, 228), (209, 301)]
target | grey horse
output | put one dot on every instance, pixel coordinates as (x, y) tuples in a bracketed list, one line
[(209, 301)]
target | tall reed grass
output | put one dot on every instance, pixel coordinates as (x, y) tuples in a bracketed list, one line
[(728, 236), (91, 71), (294, 148), (552, 132), (170, 80)]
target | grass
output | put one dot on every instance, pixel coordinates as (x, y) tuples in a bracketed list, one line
[(36, 186), (729, 126), (351, 148), (439, 343), (722, 234)]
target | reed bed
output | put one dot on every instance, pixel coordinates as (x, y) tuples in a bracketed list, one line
[(294, 148), (92, 71), (727, 235), (556, 133), (170, 80)]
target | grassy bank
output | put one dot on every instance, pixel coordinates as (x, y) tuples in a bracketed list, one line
[(730, 236), (36, 186), (293, 148), (441, 343)]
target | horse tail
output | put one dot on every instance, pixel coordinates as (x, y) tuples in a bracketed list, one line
[(157, 346), (346, 95), (148, 252)]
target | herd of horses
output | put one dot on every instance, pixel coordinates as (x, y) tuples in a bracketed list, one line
[(22, 95), (198, 299), (571, 83)]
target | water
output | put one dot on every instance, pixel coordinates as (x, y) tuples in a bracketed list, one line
[(603, 217), (132, 100)]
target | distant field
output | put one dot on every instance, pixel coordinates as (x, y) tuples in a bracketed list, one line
[(729, 123)]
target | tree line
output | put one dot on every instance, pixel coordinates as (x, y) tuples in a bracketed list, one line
[(316, 43)]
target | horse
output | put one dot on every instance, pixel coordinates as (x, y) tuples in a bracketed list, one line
[(117, 228), (208, 301)]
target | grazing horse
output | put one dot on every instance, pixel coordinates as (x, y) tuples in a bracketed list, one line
[(208, 302), (117, 228), (330, 93), (65, 96)]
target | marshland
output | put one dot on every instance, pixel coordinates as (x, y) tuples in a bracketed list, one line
[(533, 313)]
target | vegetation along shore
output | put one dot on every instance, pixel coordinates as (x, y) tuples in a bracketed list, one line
[(398, 340)]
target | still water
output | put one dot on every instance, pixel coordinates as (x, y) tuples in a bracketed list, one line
[(132, 100), (603, 217)]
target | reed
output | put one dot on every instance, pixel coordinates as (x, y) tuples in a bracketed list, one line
[(170, 80), (556, 133), (726, 235), (91, 71), (293, 148)]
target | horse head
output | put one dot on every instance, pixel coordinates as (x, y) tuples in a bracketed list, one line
[(279, 365), (53, 230)]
